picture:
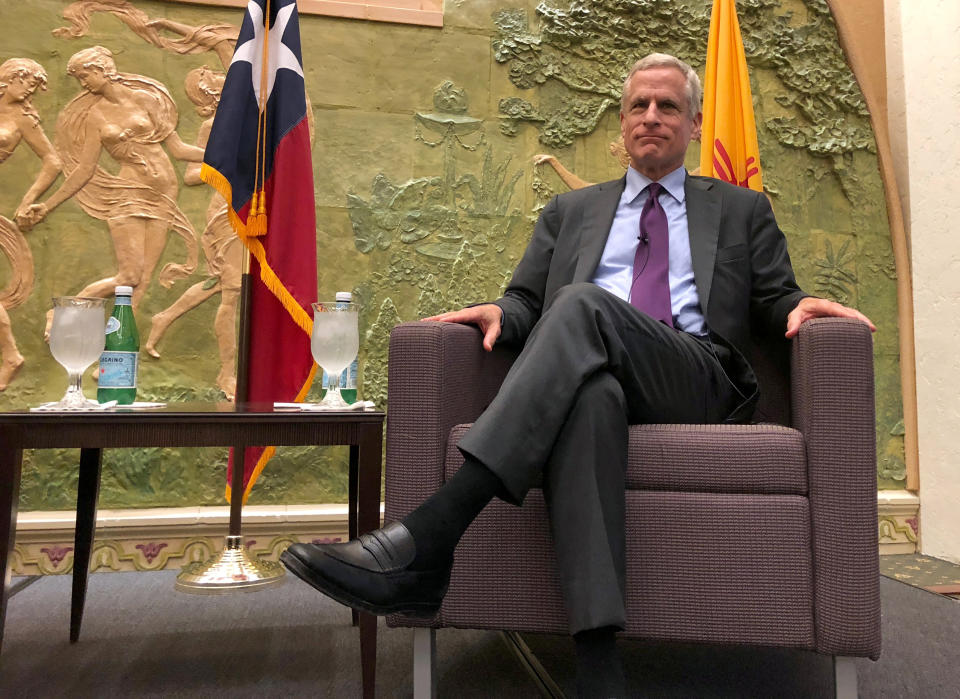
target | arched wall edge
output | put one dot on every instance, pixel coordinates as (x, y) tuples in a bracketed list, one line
[(860, 26)]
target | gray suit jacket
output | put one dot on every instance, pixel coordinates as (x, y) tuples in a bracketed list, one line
[(740, 264)]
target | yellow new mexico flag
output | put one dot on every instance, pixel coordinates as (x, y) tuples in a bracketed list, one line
[(728, 149)]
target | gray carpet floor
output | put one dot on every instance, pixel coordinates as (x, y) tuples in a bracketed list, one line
[(141, 638)]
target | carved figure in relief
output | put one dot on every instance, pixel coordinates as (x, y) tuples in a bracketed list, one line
[(616, 148), (221, 247), (132, 118), (219, 38), (20, 78)]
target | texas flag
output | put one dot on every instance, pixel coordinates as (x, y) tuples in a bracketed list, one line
[(258, 158), (729, 149)]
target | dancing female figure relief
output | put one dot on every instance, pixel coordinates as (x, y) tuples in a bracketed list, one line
[(132, 118), (616, 148), (220, 245), (19, 80)]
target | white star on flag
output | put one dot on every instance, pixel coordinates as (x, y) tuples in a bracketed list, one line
[(251, 50)]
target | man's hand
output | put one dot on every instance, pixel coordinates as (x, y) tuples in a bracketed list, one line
[(486, 316), (811, 307)]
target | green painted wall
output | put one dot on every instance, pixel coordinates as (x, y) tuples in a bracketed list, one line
[(426, 191)]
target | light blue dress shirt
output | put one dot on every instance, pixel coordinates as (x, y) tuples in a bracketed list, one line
[(615, 271)]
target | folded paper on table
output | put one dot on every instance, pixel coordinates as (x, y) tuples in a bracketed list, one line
[(99, 407), (54, 407), (318, 407)]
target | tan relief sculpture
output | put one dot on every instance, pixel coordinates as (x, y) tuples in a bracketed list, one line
[(131, 117), (616, 148), (19, 80), (220, 246), (218, 38)]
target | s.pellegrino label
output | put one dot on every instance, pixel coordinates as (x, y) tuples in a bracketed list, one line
[(121, 353), (118, 370)]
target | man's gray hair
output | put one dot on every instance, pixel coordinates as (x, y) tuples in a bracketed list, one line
[(665, 60)]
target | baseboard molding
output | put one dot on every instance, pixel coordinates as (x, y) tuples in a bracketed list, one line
[(158, 538), (899, 521)]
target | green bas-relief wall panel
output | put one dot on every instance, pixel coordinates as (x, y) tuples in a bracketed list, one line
[(427, 192)]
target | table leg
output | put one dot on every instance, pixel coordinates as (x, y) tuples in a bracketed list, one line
[(10, 460), (368, 654), (353, 477), (368, 518), (352, 497), (369, 466), (88, 490)]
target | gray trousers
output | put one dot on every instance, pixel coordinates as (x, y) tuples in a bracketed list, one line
[(592, 365)]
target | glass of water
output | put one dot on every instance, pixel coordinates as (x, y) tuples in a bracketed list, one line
[(334, 344), (76, 341)]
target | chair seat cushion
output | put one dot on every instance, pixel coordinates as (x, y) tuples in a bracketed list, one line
[(765, 459)]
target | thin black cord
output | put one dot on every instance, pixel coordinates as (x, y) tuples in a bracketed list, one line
[(646, 259)]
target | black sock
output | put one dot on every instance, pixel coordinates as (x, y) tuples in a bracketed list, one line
[(441, 519), (599, 668)]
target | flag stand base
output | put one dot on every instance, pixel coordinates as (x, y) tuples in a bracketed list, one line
[(232, 570)]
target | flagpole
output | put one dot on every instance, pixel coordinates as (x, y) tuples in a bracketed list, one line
[(286, 254), (234, 569), (242, 393)]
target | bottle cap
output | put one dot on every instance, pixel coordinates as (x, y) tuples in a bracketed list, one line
[(124, 291), (344, 296)]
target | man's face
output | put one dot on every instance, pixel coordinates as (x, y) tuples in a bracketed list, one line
[(657, 125)]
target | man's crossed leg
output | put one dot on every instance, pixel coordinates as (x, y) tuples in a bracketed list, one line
[(592, 365)]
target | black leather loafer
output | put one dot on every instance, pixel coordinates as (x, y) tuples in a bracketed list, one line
[(371, 573)]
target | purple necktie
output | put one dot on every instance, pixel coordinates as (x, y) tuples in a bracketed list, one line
[(650, 291)]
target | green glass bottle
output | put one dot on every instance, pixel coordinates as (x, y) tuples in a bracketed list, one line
[(120, 358)]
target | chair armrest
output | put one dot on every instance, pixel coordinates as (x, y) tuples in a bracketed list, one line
[(438, 376), (832, 390)]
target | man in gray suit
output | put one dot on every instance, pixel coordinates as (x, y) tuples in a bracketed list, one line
[(633, 303)]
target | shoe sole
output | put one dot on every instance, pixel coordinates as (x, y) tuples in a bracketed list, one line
[(334, 592)]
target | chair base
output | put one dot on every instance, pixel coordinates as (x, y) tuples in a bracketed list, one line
[(424, 663), (845, 677)]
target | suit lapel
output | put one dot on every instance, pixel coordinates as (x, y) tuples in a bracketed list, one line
[(595, 227), (703, 224)]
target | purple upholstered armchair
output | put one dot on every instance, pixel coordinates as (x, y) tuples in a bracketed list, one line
[(762, 534)]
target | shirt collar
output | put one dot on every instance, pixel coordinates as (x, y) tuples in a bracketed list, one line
[(673, 183)]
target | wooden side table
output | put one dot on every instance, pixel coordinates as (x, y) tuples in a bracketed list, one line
[(185, 425)]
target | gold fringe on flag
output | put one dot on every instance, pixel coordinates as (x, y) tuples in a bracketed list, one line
[(220, 183), (216, 180), (273, 283)]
